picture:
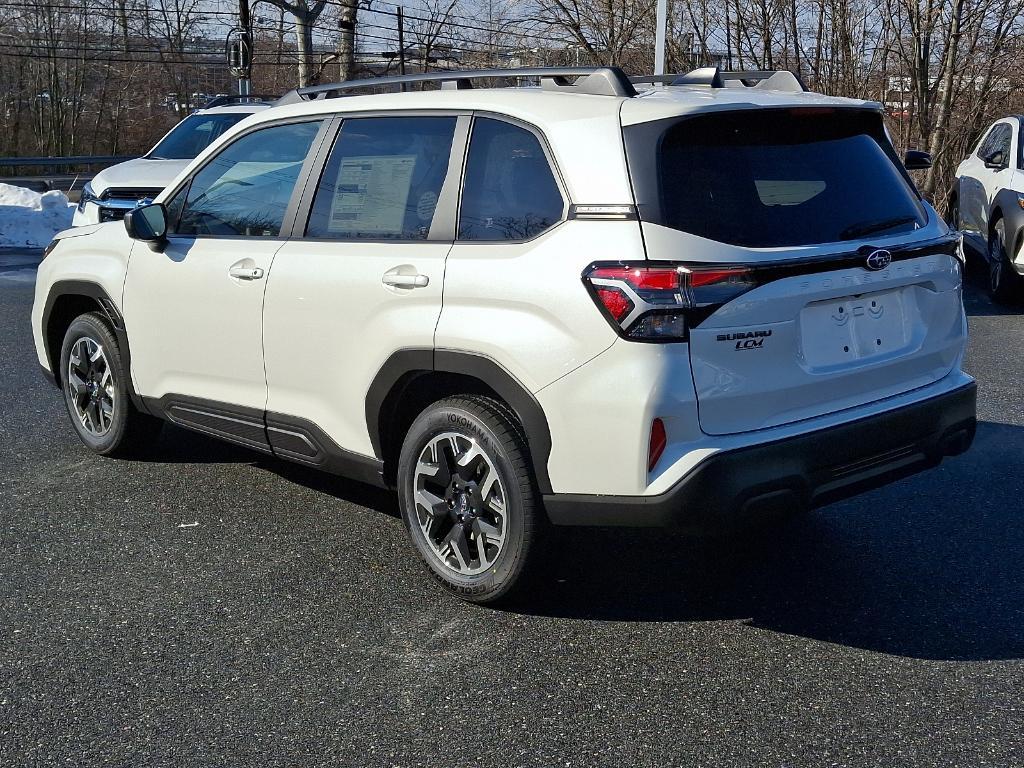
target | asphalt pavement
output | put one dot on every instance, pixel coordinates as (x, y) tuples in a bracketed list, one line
[(211, 607)]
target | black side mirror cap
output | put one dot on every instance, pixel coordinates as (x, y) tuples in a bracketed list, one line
[(148, 223), (916, 160)]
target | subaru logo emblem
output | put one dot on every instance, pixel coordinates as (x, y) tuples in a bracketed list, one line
[(878, 260)]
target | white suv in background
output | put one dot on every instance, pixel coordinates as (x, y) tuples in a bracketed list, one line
[(987, 203), (117, 189), (574, 304)]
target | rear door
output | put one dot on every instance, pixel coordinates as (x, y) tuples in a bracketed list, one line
[(825, 305), (362, 277)]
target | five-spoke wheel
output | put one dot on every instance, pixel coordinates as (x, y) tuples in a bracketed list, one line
[(467, 496)]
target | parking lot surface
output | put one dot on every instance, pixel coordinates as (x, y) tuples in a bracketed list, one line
[(212, 607)]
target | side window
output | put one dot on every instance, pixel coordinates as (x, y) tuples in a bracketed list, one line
[(986, 142), (1002, 143), (509, 192), (383, 179), (245, 189)]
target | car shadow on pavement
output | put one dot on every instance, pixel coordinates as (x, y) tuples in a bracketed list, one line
[(181, 445), (928, 568)]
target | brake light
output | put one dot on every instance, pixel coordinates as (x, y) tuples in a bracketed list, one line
[(657, 444), (661, 303)]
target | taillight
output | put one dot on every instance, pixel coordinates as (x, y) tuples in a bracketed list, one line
[(657, 445), (661, 303)]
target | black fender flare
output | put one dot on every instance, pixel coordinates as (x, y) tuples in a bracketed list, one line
[(105, 304), (409, 361)]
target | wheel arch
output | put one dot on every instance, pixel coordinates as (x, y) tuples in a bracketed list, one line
[(411, 379), (69, 299), (1007, 207)]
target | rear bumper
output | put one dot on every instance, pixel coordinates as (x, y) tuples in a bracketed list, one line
[(800, 472)]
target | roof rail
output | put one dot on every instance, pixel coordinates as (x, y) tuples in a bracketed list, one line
[(595, 81), (220, 101), (768, 79)]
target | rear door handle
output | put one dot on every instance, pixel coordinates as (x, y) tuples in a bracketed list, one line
[(246, 273), (405, 281)]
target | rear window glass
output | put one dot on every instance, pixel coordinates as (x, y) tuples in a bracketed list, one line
[(780, 178)]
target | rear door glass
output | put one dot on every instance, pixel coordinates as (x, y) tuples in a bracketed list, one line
[(383, 179)]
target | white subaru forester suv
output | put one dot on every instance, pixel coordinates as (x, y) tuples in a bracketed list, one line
[(572, 304), (116, 190)]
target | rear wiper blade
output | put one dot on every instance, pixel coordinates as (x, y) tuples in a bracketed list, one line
[(860, 230)]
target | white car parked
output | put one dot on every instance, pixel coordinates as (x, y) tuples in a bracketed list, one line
[(987, 203), (115, 190), (574, 304)]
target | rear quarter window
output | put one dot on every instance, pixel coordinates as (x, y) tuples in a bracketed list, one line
[(772, 178)]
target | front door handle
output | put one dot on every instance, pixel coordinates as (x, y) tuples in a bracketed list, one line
[(405, 281), (246, 273)]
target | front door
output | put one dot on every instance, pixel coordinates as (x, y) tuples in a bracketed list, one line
[(194, 311)]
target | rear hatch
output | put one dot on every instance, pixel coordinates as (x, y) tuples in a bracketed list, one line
[(834, 285)]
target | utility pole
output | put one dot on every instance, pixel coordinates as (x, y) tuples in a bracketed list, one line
[(245, 80), (659, 37), (401, 42)]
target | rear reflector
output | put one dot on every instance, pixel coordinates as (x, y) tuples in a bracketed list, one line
[(657, 445)]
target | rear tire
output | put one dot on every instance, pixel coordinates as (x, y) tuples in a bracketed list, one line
[(1005, 285), (95, 385), (468, 497)]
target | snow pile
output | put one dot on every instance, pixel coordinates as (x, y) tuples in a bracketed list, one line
[(29, 219)]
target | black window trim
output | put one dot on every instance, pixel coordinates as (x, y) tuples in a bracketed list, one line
[(293, 201), (447, 204), (556, 174)]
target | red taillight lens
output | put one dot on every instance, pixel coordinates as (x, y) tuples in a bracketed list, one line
[(702, 277), (671, 298), (615, 301), (640, 278), (657, 445)]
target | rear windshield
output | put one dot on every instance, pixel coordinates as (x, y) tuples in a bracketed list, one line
[(194, 134), (773, 178)]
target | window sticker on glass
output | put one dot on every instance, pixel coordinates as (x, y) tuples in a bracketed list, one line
[(373, 191)]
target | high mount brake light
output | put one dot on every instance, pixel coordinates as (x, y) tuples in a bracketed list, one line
[(661, 303)]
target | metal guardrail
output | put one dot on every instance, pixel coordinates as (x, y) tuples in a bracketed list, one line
[(63, 162)]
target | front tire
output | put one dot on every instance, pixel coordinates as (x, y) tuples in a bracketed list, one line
[(1005, 285), (468, 497), (95, 384)]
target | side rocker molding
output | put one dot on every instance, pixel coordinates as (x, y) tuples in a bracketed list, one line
[(104, 303), (275, 434), (402, 366)]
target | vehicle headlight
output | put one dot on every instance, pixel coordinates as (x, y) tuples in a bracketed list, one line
[(88, 196)]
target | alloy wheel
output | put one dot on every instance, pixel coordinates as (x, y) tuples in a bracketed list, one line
[(460, 503), (90, 386)]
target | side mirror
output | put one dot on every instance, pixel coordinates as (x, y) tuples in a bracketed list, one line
[(996, 160), (148, 223), (916, 160)]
